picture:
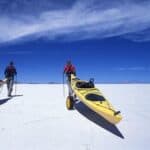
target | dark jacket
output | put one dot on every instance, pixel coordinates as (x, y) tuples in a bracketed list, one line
[(10, 71)]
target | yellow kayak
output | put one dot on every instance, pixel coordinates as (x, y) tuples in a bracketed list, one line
[(93, 98)]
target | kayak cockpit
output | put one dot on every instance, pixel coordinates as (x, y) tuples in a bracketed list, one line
[(95, 97), (83, 84)]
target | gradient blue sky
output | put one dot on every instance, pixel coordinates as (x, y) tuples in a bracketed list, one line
[(107, 40)]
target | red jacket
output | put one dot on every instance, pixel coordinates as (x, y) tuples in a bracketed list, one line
[(69, 69)]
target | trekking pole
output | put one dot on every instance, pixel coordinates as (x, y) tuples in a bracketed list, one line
[(63, 86), (16, 86)]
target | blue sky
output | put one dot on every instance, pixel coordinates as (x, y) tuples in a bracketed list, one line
[(107, 40)]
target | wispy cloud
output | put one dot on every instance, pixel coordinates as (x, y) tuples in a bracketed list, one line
[(14, 52), (137, 68), (83, 20)]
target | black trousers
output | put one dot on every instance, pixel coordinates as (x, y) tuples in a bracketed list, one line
[(10, 83), (70, 92)]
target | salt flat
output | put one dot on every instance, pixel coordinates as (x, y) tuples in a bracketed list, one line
[(37, 119)]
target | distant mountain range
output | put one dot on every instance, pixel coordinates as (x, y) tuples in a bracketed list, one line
[(125, 82)]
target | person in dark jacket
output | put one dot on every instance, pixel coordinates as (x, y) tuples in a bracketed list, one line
[(10, 72), (69, 69)]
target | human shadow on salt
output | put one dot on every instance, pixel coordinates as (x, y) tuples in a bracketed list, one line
[(5, 100), (97, 119), (17, 95)]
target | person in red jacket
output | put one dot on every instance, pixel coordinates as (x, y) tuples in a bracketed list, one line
[(69, 69), (10, 72)]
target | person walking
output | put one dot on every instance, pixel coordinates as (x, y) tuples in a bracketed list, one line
[(10, 72), (69, 69)]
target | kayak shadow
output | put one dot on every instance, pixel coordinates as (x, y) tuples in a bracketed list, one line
[(97, 119), (5, 100)]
